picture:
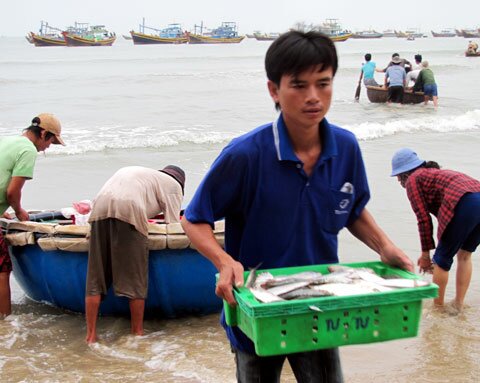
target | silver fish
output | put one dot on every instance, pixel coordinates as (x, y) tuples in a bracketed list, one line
[(373, 286), (343, 289), (280, 280), (283, 289), (261, 279), (264, 296), (402, 283), (304, 293), (252, 276)]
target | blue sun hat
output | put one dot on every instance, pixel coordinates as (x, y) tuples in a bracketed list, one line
[(405, 160)]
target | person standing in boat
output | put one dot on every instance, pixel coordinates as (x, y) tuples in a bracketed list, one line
[(286, 189), (413, 74), (395, 80), (368, 71), (404, 63), (452, 197), (17, 162), (118, 252)]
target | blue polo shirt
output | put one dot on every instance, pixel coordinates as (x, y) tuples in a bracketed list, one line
[(274, 214)]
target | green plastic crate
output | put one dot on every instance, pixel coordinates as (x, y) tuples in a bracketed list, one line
[(324, 322)]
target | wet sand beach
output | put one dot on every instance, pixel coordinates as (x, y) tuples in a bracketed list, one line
[(195, 349)]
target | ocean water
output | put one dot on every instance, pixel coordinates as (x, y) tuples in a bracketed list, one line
[(155, 105)]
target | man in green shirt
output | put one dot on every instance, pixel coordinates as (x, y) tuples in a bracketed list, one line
[(427, 79), (17, 161)]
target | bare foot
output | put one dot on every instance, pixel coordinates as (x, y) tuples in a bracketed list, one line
[(457, 306), (451, 308), (91, 339)]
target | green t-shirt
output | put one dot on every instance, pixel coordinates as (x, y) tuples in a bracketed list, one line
[(427, 76), (17, 159)]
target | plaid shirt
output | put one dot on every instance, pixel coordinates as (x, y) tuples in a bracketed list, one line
[(437, 192)]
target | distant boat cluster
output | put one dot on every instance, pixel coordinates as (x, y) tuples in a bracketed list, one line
[(411, 34), (82, 34)]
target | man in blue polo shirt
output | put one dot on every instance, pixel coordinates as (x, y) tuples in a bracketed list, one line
[(286, 189)]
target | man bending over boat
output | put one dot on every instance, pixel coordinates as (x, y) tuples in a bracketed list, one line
[(119, 236), (17, 162), (286, 189)]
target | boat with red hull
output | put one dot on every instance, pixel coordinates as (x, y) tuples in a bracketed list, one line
[(81, 35), (47, 36)]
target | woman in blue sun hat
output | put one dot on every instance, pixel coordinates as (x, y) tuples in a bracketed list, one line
[(454, 199)]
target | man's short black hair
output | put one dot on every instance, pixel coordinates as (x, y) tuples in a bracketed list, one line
[(418, 57), (295, 52), (368, 57), (395, 55)]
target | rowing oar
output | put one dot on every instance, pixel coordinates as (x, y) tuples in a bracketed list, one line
[(357, 92), (359, 87)]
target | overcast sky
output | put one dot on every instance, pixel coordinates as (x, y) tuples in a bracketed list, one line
[(19, 17)]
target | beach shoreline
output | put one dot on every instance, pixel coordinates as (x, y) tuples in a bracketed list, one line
[(59, 181)]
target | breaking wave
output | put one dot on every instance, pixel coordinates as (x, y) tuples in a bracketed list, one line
[(205, 137)]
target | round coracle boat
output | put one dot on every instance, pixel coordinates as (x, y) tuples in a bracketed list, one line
[(50, 265), (472, 54), (379, 94)]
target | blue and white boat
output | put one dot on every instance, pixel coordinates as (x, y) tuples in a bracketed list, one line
[(50, 265), (172, 34)]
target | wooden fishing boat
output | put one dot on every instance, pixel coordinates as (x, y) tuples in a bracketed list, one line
[(266, 36), (340, 37), (50, 265), (470, 33), (370, 34), (226, 33), (47, 36), (444, 33), (332, 29), (379, 94), (172, 34), (401, 34), (389, 33), (81, 35)]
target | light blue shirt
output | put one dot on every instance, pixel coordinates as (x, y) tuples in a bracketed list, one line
[(368, 69), (396, 74)]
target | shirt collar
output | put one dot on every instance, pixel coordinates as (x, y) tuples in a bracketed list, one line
[(283, 145)]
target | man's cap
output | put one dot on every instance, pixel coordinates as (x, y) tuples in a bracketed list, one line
[(405, 160), (396, 60), (51, 124), (425, 64), (175, 172)]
